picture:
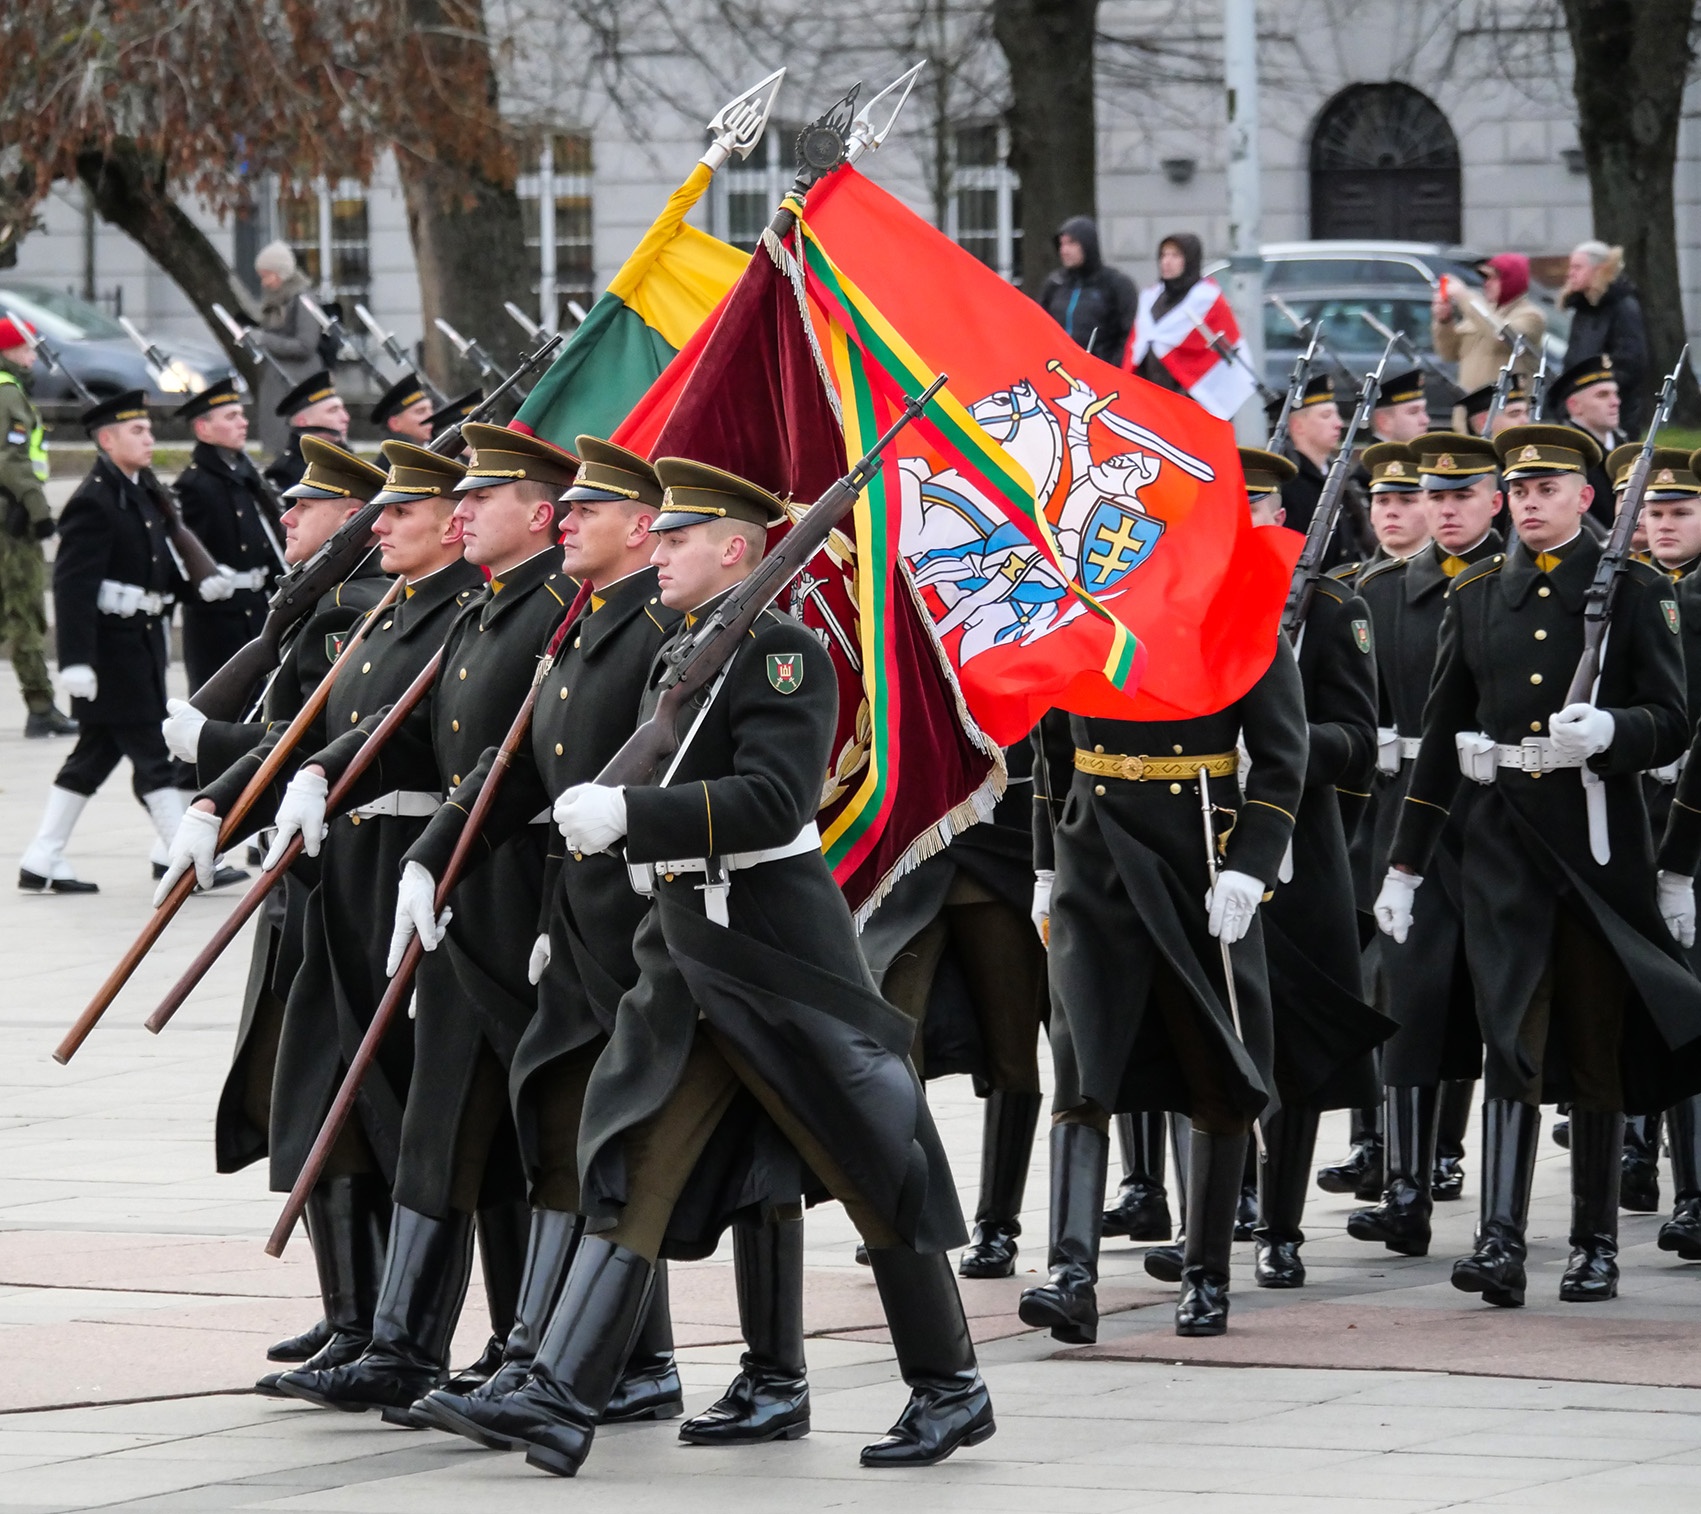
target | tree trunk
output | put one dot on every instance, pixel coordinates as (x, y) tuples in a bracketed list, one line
[(1630, 59), (130, 191), (1053, 136)]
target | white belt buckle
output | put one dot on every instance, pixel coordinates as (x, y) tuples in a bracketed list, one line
[(715, 887), (642, 877), (1532, 757)]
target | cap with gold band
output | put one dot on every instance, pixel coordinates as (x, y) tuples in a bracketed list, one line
[(131, 405), (1400, 389), (1265, 472), (610, 472), (334, 472), (400, 396), (1580, 376), (218, 394), (1319, 390), (456, 411), (695, 492), (1452, 460), (1545, 451), (312, 389), (1671, 473), (501, 455), (1393, 468), (1478, 400), (417, 473)]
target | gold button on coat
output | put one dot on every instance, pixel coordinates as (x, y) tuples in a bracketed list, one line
[(454, 725), (1535, 678), (1544, 591), (1535, 725), (366, 667), (1541, 635), (354, 717), (1098, 788), (558, 749), (1175, 788)]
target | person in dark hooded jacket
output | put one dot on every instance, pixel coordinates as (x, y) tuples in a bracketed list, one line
[(1606, 317), (1090, 300)]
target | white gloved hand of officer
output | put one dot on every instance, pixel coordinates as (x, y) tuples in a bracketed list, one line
[(1677, 906), (217, 586), (416, 914), (591, 817), (1040, 914), (1232, 902), (301, 812), (196, 845), (182, 729), (1580, 731), (538, 963), (1394, 903), (79, 681)]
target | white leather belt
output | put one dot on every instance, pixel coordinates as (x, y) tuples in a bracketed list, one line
[(254, 578), (415, 803), (1392, 749), (114, 598), (1480, 757), (715, 869)]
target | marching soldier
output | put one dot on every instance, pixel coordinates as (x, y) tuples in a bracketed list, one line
[(1581, 991), (346, 1224), (1472, 409), (405, 411), (1142, 1018), (27, 523), (226, 504), (696, 1078), (1586, 398), (454, 413), (1400, 413), (312, 408), (1314, 431)]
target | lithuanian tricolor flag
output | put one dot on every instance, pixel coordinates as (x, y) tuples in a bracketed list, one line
[(655, 304)]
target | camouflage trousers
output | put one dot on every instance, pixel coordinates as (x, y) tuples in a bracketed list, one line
[(23, 616)]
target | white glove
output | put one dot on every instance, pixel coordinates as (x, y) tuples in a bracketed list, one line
[(538, 963), (1040, 914), (1580, 731), (1394, 904), (1677, 906), (591, 816), (196, 845), (416, 912), (182, 729), (79, 681), (301, 810), (1232, 903), (217, 586)]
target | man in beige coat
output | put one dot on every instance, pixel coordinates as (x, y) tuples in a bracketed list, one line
[(1466, 324)]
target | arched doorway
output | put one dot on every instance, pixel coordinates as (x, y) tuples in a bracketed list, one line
[(1384, 164)]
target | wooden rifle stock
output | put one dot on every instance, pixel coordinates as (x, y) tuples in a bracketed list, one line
[(232, 924), (229, 829), (343, 1105)]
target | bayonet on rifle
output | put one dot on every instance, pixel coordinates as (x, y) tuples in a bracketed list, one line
[(392, 349), (45, 350), (333, 327), (244, 338)]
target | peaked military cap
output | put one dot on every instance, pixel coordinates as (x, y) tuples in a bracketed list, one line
[(1393, 468), (695, 492), (218, 394), (606, 470), (1580, 376), (1452, 460), (1319, 390), (1545, 451), (501, 455), (334, 472), (1478, 400), (402, 395), (131, 405), (1265, 472), (1400, 388), (417, 473), (456, 411), (1671, 474), (312, 389)]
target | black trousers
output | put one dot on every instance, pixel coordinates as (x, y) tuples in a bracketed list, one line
[(99, 748)]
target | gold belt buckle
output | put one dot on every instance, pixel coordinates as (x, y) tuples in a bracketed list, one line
[(1132, 768)]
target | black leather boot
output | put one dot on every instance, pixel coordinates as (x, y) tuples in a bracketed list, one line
[(1496, 1268), (1562, 1126), (503, 1232), (1401, 1222), (1246, 1211), (1007, 1146), (1067, 1303), (348, 1222), (1164, 1262), (553, 1237), (1141, 1208), (311, 1341), (419, 1303), (649, 1385), (1361, 1173), (1284, 1174), (1452, 1119), (1682, 1232), (769, 1399), (949, 1405), (1639, 1170), (1597, 1140), (1213, 1191)]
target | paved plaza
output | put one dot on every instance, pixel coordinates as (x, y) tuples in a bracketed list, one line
[(136, 1302)]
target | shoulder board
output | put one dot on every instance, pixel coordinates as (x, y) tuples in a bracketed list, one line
[(1377, 570), (1646, 573), (1330, 589), (1344, 571), (1478, 570)]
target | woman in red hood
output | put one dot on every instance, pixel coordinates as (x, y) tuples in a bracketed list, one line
[(1465, 323)]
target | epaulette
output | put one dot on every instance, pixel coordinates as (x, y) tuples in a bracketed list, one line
[(1478, 570), (1331, 590), (1377, 569), (1647, 573), (1343, 571)]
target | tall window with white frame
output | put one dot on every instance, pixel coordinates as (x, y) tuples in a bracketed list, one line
[(745, 193), (984, 213), (554, 187), (327, 228)]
